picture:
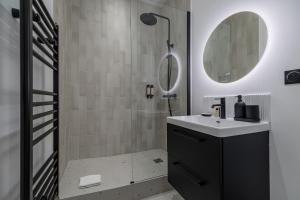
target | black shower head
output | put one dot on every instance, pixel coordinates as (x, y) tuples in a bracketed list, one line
[(148, 19)]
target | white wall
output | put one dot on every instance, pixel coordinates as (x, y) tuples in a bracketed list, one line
[(283, 53), (9, 103)]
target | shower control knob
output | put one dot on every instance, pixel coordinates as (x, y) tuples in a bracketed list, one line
[(150, 91)]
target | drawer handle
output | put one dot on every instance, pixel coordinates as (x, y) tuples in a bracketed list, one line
[(188, 136), (198, 181)]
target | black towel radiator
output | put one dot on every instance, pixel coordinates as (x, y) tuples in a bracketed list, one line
[(38, 29)]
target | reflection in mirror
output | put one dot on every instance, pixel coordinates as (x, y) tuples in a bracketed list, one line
[(167, 81), (235, 47)]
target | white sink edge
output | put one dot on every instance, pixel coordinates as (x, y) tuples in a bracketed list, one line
[(247, 127)]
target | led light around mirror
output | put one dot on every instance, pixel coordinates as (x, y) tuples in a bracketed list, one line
[(235, 47), (176, 77)]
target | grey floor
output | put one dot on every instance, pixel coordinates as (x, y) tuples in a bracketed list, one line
[(172, 195), (116, 171)]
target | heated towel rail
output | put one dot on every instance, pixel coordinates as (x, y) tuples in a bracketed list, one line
[(39, 39)]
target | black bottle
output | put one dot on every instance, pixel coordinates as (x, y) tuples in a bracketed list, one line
[(239, 108)]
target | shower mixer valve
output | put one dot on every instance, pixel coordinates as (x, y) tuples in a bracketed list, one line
[(149, 91), (170, 45)]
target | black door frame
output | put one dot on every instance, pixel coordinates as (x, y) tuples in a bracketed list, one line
[(189, 111), (26, 182)]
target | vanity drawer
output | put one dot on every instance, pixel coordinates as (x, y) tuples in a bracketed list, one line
[(197, 150), (189, 184)]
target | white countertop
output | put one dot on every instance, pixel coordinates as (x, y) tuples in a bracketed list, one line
[(218, 127)]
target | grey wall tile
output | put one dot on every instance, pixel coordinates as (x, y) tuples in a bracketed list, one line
[(107, 58)]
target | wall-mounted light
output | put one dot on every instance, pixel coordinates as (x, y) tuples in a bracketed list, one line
[(179, 74)]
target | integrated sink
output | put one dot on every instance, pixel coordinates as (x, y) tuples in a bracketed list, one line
[(218, 127)]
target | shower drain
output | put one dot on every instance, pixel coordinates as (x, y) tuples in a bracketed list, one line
[(158, 160)]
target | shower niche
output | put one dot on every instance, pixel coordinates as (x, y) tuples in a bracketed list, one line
[(113, 49)]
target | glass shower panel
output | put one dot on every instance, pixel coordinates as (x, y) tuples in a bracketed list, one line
[(161, 63), (110, 56)]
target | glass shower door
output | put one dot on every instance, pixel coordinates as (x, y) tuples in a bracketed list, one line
[(159, 64)]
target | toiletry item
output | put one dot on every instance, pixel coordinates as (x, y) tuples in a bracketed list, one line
[(239, 108), (252, 112), (206, 114), (217, 111), (89, 181), (223, 108)]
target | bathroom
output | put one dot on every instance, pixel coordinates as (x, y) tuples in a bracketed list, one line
[(135, 99)]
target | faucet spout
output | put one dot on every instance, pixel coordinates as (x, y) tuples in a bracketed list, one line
[(215, 105), (222, 106)]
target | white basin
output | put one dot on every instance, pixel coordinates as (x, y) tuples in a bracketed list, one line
[(218, 127)]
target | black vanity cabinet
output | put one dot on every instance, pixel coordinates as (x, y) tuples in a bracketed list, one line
[(204, 167)]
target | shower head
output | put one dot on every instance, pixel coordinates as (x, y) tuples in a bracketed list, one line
[(148, 19)]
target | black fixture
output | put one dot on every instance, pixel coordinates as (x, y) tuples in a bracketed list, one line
[(216, 168), (149, 91), (239, 108), (222, 106), (150, 19), (15, 13), (292, 77), (246, 113), (158, 160), (170, 96), (188, 63), (43, 184), (252, 112)]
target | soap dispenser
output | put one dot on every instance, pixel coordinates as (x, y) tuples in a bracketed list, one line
[(239, 108)]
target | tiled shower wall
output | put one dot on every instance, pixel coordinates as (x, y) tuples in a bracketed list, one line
[(149, 44), (107, 58)]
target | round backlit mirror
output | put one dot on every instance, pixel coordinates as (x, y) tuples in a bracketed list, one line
[(235, 47), (169, 73)]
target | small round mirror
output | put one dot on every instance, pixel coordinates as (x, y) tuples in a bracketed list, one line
[(235, 47), (169, 73)]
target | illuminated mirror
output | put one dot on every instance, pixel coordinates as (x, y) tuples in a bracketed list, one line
[(235, 47)]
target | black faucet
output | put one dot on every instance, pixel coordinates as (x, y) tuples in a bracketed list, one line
[(223, 107)]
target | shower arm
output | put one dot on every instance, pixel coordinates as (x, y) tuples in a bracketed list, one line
[(169, 57), (169, 29)]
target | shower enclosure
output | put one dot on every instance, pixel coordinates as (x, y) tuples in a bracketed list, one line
[(124, 71)]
